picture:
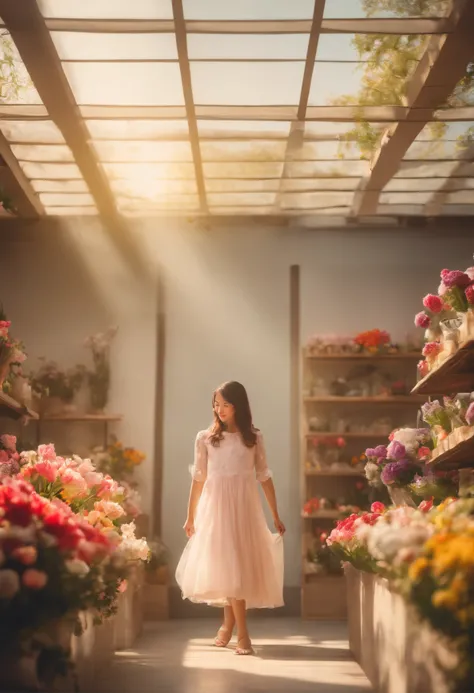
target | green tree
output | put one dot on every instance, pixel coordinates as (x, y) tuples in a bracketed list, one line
[(388, 62)]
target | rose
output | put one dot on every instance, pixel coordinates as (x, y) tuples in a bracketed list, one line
[(423, 368), (8, 442), (426, 505), (455, 278), (433, 303), (377, 507), (47, 452), (422, 320), (431, 349), (110, 509), (34, 579), (47, 469), (424, 453), (74, 484), (470, 294)]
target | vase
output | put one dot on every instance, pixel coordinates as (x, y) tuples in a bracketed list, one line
[(400, 496)]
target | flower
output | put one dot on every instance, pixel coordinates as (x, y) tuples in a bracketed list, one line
[(26, 555), (47, 452), (433, 303), (396, 450), (469, 415), (377, 507), (400, 472), (424, 453), (422, 320), (8, 442), (455, 278), (34, 579), (77, 567), (431, 349), (470, 294), (426, 505), (423, 368)]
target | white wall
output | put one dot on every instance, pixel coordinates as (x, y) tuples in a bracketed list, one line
[(227, 318)]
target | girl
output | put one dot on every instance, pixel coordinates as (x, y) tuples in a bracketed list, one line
[(231, 559)]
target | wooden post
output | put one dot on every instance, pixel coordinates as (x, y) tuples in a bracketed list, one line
[(159, 406), (295, 454)]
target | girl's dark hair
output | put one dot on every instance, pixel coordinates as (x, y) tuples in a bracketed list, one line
[(234, 393)]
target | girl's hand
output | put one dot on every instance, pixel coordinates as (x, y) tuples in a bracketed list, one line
[(189, 527), (280, 527)]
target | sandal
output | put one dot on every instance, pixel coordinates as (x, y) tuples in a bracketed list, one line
[(242, 651), (222, 642)]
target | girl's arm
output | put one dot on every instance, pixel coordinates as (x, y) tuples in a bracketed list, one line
[(194, 496), (265, 477), (199, 474)]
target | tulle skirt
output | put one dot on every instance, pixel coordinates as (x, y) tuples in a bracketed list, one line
[(233, 554)]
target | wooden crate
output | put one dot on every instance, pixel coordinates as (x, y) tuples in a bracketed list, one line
[(323, 597)]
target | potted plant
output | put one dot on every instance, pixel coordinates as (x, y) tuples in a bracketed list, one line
[(56, 387), (99, 378)]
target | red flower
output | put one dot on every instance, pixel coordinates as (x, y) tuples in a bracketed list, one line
[(470, 294), (433, 303), (377, 507), (426, 505)]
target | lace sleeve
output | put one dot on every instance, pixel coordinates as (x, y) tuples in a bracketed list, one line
[(261, 466), (199, 468)]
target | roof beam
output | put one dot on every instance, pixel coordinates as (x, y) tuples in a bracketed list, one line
[(33, 41), (434, 206), (442, 66), (296, 137), (182, 45), (16, 184), (370, 25)]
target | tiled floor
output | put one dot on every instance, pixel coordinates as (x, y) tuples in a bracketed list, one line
[(292, 656)]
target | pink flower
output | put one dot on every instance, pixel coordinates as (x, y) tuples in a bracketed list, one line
[(431, 349), (423, 368), (34, 579), (422, 320), (74, 484), (93, 479), (4, 457), (47, 452), (433, 303), (377, 507), (25, 554), (110, 509), (8, 442), (47, 469), (424, 453), (470, 414), (470, 294), (123, 586), (455, 278), (442, 289), (426, 505)]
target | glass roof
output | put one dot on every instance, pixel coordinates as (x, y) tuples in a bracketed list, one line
[(255, 107)]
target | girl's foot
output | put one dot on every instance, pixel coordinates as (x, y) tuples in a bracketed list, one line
[(223, 637), (244, 646)]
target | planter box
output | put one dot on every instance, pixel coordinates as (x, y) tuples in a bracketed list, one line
[(93, 650), (156, 602), (397, 652), (324, 597), (129, 618)]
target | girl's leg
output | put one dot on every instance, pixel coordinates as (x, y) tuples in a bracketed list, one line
[(224, 634), (244, 644)]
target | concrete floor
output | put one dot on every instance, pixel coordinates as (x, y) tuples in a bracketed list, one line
[(291, 656)]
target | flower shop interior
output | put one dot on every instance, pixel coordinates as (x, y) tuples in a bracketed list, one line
[(278, 193)]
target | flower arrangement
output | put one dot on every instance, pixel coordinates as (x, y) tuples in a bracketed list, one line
[(99, 378), (51, 563), (9, 457), (52, 381), (372, 341), (398, 463), (345, 542), (118, 461), (313, 505), (326, 450), (6, 346)]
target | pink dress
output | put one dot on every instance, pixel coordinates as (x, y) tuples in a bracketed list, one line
[(233, 554)]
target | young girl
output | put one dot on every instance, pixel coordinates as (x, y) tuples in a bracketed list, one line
[(231, 560)]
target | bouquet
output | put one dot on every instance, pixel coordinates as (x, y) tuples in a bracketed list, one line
[(319, 557), (372, 340), (398, 463), (52, 381), (455, 295), (9, 457), (51, 563), (346, 543)]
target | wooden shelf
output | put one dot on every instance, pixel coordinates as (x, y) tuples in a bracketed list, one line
[(12, 409), (334, 472), (324, 515), (82, 418), (458, 457), (400, 399), (403, 356), (332, 434), (456, 374)]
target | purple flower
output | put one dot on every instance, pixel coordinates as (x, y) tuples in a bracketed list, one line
[(430, 408), (470, 414), (400, 472), (370, 453), (380, 452), (396, 451)]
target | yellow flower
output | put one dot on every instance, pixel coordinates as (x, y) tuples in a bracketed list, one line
[(445, 599), (417, 568)]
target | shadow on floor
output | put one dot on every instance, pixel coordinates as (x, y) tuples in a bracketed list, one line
[(177, 657)]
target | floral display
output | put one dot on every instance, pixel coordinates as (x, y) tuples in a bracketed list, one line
[(51, 562), (118, 461), (99, 378), (398, 463), (52, 381), (9, 457), (427, 554), (372, 340), (320, 560)]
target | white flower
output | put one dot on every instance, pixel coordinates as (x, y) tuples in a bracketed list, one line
[(9, 583), (77, 567)]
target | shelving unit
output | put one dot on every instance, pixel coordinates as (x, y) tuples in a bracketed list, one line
[(65, 419), (456, 374), (338, 481)]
